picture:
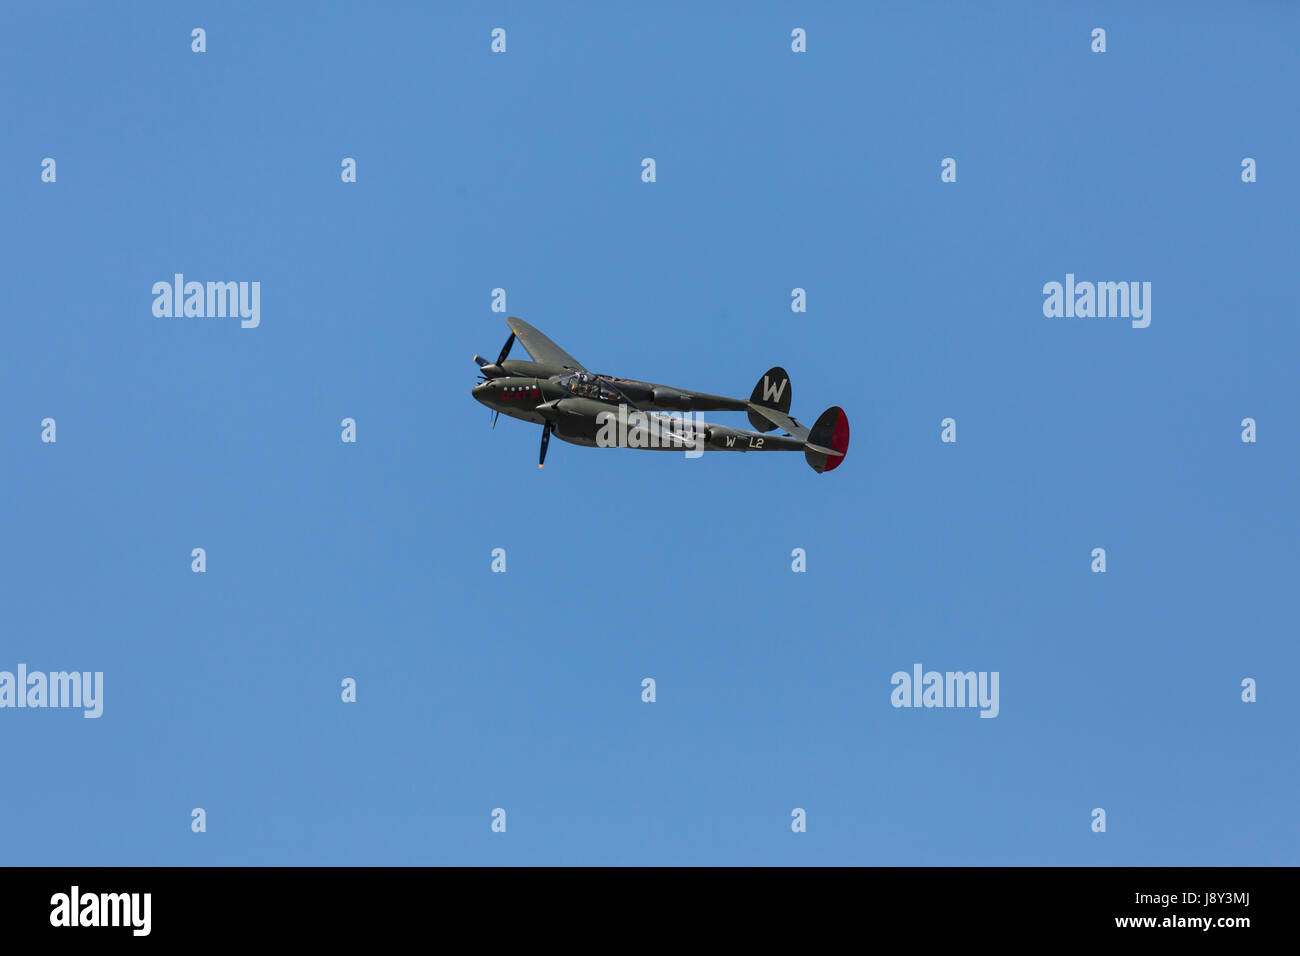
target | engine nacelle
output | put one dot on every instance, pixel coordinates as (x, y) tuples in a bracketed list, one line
[(671, 398)]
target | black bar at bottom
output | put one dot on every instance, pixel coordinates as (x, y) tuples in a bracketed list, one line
[(337, 905)]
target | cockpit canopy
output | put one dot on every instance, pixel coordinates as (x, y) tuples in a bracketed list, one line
[(587, 385)]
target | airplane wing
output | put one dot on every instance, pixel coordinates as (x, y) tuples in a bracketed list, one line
[(540, 347)]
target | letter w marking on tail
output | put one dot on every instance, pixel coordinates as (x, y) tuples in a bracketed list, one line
[(773, 393)]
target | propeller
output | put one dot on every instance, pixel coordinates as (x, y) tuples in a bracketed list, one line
[(505, 349), (493, 369), (546, 440)]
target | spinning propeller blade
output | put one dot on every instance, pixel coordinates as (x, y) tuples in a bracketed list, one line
[(546, 440), (505, 349)]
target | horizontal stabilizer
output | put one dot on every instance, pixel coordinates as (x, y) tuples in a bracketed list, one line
[(823, 450), (779, 420)]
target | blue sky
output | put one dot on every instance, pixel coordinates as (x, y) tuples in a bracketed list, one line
[(521, 690)]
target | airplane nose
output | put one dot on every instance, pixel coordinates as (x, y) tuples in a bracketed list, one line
[(481, 390)]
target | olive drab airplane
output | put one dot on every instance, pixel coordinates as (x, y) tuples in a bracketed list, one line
[(555, 391)]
